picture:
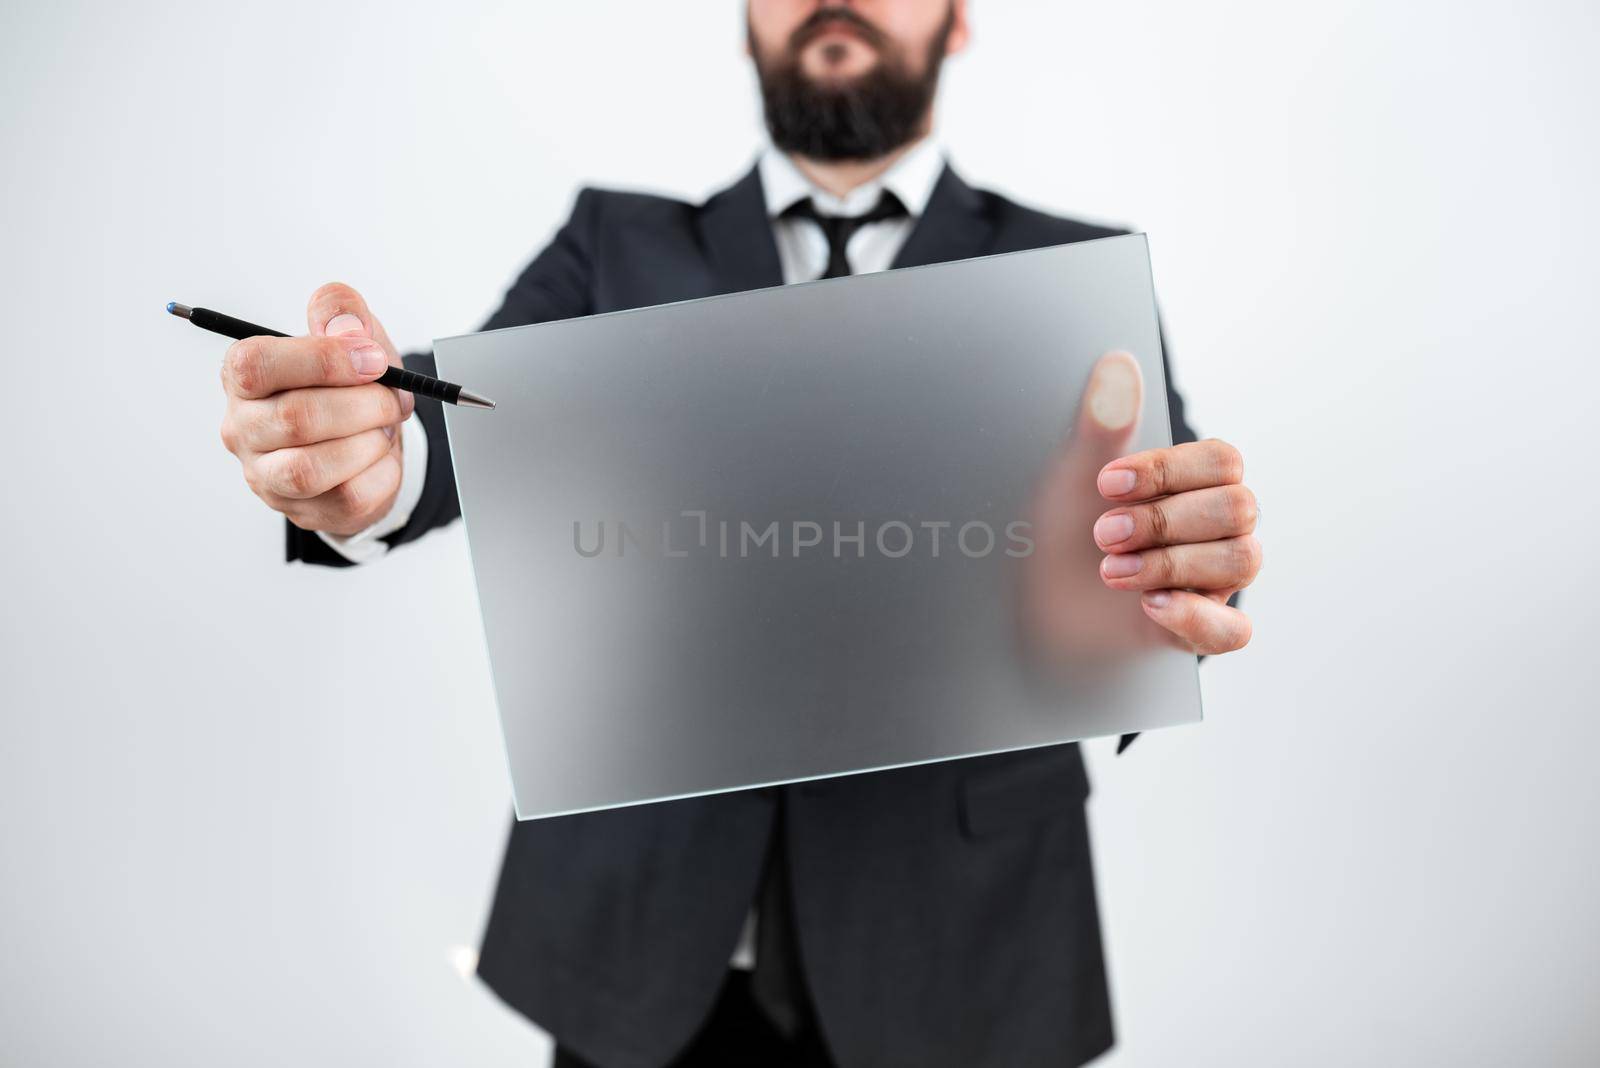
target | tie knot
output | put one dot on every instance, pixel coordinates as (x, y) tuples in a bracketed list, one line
[(839, 229)]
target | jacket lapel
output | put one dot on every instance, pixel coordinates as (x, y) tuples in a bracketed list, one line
[(953, 226), (737, 238)]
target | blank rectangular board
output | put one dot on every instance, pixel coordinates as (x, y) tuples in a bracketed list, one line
[(807, 531)]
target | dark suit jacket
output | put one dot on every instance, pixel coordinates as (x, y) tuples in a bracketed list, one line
[(945, 913)]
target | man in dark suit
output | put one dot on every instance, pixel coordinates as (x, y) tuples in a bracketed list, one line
[(935, 915)]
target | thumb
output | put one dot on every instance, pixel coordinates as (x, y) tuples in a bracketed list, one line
[(1108, 418), (336, 309), (1109, 412), (345, 323)]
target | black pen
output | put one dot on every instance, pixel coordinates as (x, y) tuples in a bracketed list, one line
[(398, 377)]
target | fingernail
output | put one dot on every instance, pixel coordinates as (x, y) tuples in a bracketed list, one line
[(388, 432), (344, 323), (1158, 598), (368, 360), (1122, 565), (1114, 393), (1114, 482), (1110, 529)]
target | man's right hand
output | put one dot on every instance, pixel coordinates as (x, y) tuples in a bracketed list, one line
[(317, 437)]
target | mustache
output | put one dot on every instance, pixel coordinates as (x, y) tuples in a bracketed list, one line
[(829, 17)]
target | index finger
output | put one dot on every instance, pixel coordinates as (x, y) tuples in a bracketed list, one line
[(258, 367), (1159, 472)]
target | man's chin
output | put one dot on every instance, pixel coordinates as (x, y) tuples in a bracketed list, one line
[(834, 87)]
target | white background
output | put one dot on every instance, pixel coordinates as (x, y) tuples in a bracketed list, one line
[(247, 809)]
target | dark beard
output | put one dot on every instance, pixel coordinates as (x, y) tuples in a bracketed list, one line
[(866, 119)]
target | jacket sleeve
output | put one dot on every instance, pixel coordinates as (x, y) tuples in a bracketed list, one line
[(1182, 432), (558, 284)]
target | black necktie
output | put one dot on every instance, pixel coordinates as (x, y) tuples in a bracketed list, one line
[(838, 229), (777, 984)]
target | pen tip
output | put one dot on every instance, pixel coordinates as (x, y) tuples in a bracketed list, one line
[(182, 311)]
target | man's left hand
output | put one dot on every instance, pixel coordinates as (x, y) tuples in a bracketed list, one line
[(1182, 532)]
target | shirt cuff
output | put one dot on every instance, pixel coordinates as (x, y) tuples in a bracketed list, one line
[(365, 546)]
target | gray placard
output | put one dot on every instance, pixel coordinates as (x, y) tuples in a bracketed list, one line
[(663, 513)]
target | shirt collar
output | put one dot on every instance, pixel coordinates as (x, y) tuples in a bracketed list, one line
[(911, 179)]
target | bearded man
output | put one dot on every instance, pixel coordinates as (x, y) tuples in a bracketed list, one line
[(939, 915)]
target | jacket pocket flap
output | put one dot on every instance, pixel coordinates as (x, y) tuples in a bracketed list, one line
[(1015, 789)]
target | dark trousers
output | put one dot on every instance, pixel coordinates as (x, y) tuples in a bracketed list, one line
[(736, 1033)]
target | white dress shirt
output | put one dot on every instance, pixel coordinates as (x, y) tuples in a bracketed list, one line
[(802, 248), (803, 254)]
